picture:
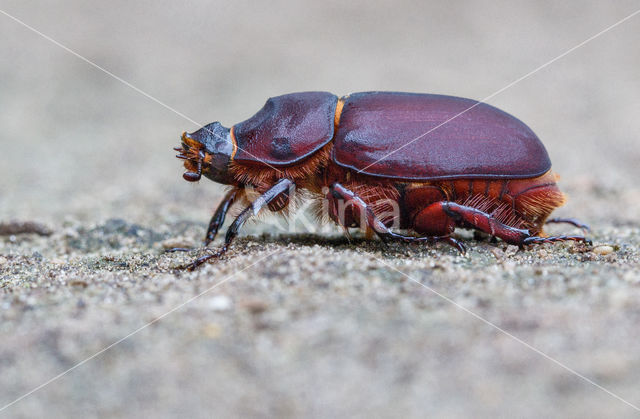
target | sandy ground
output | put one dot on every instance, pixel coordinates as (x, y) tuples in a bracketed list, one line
[(306, 324)]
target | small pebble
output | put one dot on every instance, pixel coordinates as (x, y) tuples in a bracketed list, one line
[(220, 303), (211, 330), (255, 306), (511, 250), (603, 250), (497, 252)]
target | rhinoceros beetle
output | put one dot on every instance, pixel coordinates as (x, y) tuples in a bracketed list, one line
[(441, 161)]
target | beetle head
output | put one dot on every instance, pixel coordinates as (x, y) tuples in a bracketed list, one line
[(207, 152)]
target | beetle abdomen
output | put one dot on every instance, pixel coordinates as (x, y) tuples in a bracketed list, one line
[(519, 203), (427, 137), (287, 129)]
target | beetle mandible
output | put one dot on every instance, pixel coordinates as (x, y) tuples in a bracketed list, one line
[(445, 161)]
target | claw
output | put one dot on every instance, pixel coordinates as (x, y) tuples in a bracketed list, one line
[(203, 259), (462, 248), (538, 240)]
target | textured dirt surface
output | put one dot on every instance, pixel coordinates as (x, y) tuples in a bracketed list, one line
[(296, 322)]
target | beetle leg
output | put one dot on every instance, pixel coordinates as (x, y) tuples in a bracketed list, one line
[(382, 230), (571, 221), (538, 240), (485, 222), (347, 234), (425, 239), (253, 209), (216, 221), (340, 192), (218, 217)]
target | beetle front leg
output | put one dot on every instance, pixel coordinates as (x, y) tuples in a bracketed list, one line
[(253, 209), (216, 221), (218, 217), (374, 223)]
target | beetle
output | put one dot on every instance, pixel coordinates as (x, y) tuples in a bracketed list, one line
[(441, 161)]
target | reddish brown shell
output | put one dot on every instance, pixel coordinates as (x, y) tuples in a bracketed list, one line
[(482, 142), (287, 129)]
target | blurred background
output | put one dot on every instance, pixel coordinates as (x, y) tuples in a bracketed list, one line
[(326, 328), (80, 143)]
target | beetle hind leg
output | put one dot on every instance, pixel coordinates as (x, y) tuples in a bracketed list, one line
[(574, 222), (539, 240), (486, 222)]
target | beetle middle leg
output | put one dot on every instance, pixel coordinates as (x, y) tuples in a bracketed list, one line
[(263, 200), (373, 222)]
